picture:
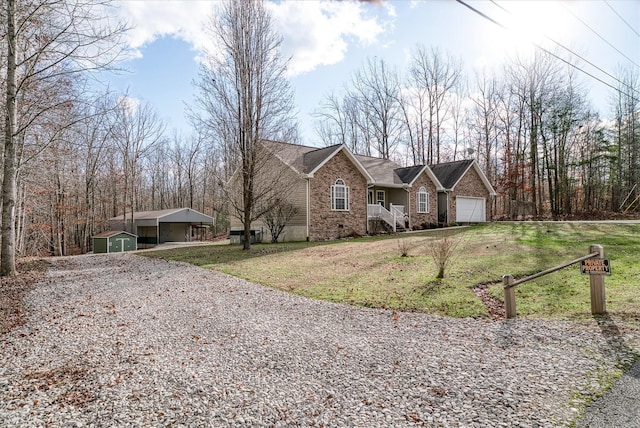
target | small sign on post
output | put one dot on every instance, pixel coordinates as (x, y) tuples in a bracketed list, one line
[(595, 266), (596, 281)]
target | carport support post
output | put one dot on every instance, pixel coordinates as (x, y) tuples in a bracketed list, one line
[(596, 283), (509, 296)]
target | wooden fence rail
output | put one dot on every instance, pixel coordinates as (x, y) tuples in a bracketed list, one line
[(596, 283)]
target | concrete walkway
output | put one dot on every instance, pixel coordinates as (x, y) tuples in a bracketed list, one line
[(620, 407)]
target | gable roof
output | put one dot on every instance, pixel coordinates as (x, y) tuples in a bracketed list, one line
[(313, 160), (307, 160), (290, 154), (410, 173), (110, 233), (174, 215), (389, 174), (450, 173), (382, 170)]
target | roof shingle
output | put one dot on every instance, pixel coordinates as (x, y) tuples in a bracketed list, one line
[(449, 173)]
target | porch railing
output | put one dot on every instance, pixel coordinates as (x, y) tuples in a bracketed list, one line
[(398, 211), (393, 217)]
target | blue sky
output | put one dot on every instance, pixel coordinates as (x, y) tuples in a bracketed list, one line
[(329, 41)]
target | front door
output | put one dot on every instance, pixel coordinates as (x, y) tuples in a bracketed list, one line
[(380, 197), (443, 202)]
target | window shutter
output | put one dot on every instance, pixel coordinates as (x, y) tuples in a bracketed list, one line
[(346, 198), (333, 198)]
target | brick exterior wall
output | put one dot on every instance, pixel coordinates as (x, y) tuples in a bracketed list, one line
[(470, 185), (328, 224), (417, 219)]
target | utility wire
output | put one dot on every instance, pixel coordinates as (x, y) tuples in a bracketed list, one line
[(598, 34), (577, 55), (484, 15), (623, 20)]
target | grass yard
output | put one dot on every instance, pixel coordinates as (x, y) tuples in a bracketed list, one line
[(371, 271)]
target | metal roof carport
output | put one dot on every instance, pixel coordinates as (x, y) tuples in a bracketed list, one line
[(173, 225)]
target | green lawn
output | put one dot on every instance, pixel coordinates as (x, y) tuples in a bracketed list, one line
[(371, 272)]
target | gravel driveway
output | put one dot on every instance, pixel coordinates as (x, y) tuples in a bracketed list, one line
[(123, 340)]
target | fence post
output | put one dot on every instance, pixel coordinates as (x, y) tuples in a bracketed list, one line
[(596, 284), (509, 296)]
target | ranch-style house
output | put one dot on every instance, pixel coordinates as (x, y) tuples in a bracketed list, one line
[(338, 193)]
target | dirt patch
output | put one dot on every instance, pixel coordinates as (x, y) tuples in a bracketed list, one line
[(14, 289), (494, 306)]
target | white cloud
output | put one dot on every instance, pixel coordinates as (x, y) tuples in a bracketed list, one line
[(130, 104), (319, 32), (314, 33), (150, 20)]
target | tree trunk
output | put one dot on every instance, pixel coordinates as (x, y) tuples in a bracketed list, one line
[(8, 248)]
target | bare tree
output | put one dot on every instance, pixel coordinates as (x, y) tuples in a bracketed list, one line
[(93, 137), (459, 130), (9, 188), (246, 99), (192, 167), (49, 45), (137, 129), (534, 82), (626, 136), (277, 218), (484, 121), (376, 89), (444, 251), (433, 77)]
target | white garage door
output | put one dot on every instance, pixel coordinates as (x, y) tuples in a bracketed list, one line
[(470, 210)]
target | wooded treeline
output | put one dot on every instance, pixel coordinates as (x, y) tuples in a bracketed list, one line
[(80, 156), (75, 155), (111, 162), (529, 123)]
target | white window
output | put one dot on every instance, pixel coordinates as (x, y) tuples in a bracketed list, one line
[(380, 197), (422, 201), (340, 196)]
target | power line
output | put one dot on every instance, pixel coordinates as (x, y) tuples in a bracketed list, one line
[(598, 34), (623, 20), (576, 54), (484, 15)]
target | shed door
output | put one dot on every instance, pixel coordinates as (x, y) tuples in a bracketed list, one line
[(470, 210), (117, 244)]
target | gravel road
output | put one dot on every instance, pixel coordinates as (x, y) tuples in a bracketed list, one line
[(619, 407), (123, 340)]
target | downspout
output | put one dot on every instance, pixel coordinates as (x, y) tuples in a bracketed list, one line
[(408, 190), (448, 219), (308, 206)]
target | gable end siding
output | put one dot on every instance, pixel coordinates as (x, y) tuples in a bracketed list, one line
[(294, 191), (328, 224)]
